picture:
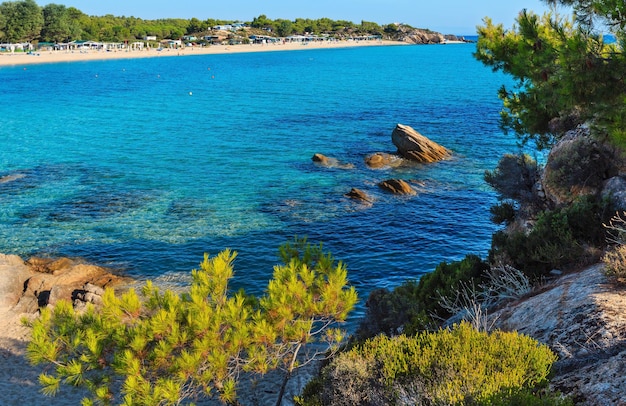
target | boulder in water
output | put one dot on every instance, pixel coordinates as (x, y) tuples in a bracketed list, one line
[(413, 145), (358, 194), (329, 162), (382, 159), (397, 187)]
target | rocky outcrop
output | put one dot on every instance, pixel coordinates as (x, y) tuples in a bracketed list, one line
[(379, 160), (614, 190), (581, 317), (578, 165), (28, 285), (13, 274), (419, 36), (359, 195), (397, 187), (328, 162), (413, 145)]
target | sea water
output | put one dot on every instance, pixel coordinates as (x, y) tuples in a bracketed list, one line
[(144, 165)]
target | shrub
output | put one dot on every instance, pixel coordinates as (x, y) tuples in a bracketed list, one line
[(615, 263), (411, 306), (457, 366), (514, 177), (558, 238), (503, 213)]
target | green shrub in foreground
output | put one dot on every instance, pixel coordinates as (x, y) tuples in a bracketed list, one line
[(451, 367), (164, 348)]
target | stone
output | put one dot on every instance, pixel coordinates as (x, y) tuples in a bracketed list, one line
[(358, 194), (13, 275), (382, 159), (578, 165), (321, 159), (413, 145), (614, 189), (397, 187), (581, 317), (45, 281), (329, 162)]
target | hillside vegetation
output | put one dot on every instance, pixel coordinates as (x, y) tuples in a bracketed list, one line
[(25, 21)]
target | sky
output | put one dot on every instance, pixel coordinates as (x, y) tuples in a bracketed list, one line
[(448, 17)]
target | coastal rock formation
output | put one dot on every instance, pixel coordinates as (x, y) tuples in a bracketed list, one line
[(397, 187), (13, 274), (614, 190), (28, 285), (358, 194), (578, 165), (412, 35), (413, 145), (382, 160), (328, 162), (581, 317)]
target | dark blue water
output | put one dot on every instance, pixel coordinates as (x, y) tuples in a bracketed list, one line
[(144, 165)]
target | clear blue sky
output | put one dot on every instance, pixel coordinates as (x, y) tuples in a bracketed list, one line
[(448, 16)]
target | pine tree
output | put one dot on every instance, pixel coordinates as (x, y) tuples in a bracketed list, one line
[(159, 347), (565, 72)]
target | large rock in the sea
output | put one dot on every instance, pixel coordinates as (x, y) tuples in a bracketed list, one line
[(397, 187), (413, 145)]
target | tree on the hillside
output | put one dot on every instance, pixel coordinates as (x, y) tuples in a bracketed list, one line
[(284, 28), (165, 348), (565, 73), (57, 23), (22, 21)]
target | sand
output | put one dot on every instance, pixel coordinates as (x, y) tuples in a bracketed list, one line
[(22, 58)]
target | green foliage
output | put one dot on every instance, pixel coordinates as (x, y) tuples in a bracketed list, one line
[(163, 348), (514, 178), (565, 73), (503, 213), (21, 21), (411, 306), (24, 20), (452, 367), (557, 239)]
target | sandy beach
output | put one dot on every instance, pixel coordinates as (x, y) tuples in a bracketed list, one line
[(22, 58)]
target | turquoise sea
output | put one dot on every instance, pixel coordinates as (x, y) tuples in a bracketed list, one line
[(144, 165)]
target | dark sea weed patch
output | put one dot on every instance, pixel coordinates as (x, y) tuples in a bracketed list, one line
[(23, 180), (96, 204)]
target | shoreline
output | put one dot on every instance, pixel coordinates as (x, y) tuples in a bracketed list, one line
[(36, 58)]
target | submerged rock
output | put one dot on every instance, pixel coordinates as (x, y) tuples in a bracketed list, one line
[(329, 162), (381, 159), (413, 145), (397, 187)]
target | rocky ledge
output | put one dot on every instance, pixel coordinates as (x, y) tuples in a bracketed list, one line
[(25, 286), (582, 317)]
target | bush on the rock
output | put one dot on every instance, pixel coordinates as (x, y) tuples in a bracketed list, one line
[(457, 366)]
